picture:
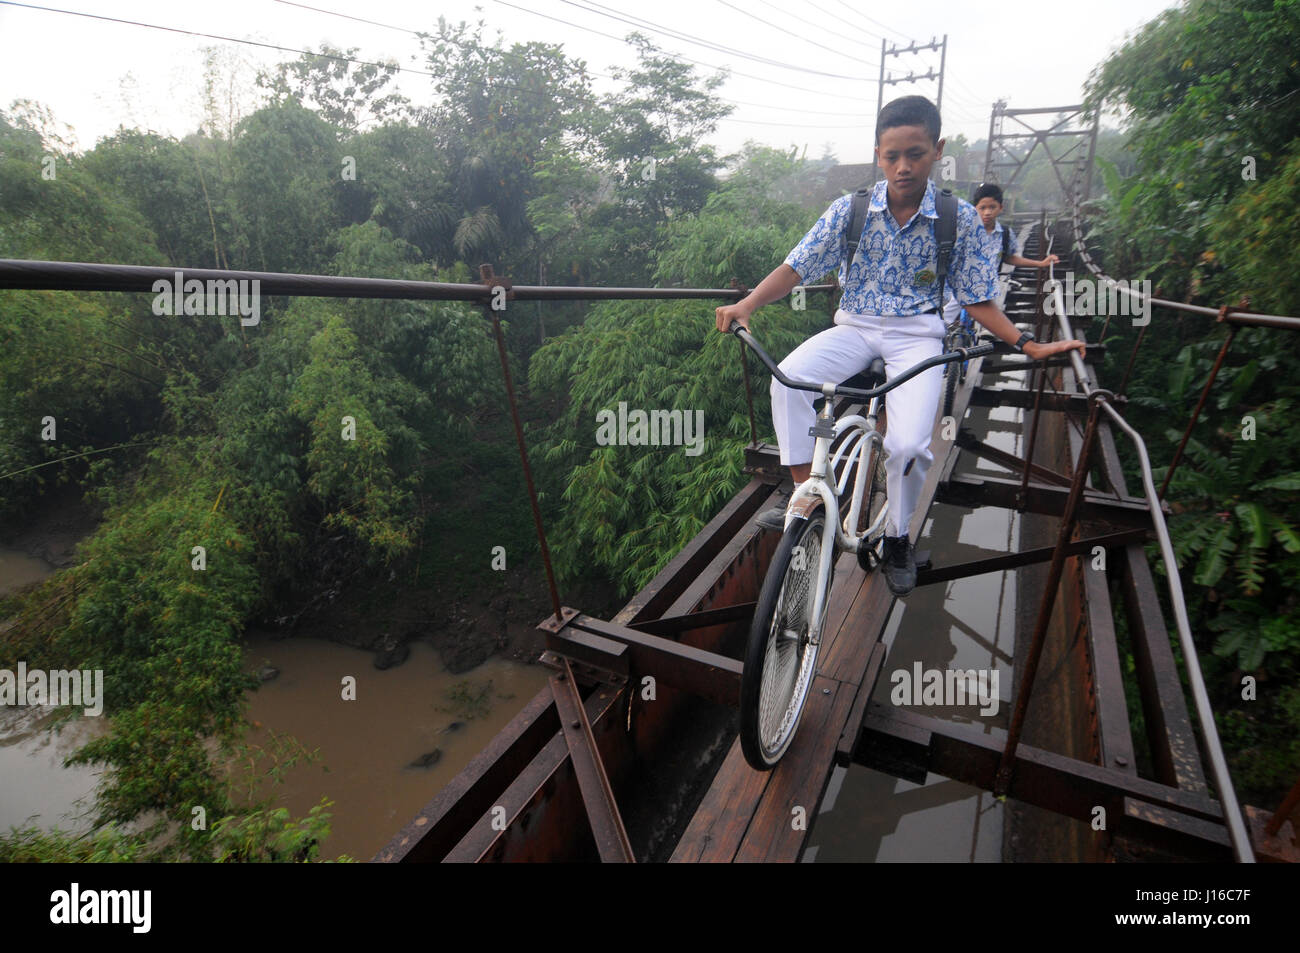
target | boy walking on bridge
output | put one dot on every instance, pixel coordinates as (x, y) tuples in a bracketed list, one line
[(889, 309), (1000, 244)]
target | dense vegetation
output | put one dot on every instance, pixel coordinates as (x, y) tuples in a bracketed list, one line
[(1211, 94), (198, 431)]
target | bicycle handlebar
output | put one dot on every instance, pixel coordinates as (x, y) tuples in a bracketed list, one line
[(960, 354)]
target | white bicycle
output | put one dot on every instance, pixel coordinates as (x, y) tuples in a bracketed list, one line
[(781, 653)]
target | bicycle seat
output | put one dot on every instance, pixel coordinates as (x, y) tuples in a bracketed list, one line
[(873, 376)]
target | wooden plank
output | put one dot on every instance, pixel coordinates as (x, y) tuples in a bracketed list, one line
[(844, 659), (775, 834), (720, 822)]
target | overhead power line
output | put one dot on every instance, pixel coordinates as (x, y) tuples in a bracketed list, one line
[(215, 36), (685, 59), (590, 72), (640, 23), (786, 31), (838, 19), (888, 29)]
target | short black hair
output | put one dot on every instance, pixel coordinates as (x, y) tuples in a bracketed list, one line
[(988, 190), (909, 111)]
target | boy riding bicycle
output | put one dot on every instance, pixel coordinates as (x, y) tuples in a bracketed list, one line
[(889, 309)]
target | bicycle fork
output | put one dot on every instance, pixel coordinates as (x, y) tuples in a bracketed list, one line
[(804, 504)]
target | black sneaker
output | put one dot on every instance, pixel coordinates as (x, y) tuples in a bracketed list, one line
[(774, 519), (898, 563)]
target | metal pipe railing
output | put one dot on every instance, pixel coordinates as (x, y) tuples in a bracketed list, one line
[(88, 276), (1218, 763)]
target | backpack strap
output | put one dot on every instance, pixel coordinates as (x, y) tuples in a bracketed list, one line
[(857, 221), (945, 235), (1006, 242)]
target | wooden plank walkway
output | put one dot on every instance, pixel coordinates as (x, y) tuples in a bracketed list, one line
[(749, 815)]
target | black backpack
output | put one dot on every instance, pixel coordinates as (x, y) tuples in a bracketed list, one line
[(1006, 242), (945, 229)]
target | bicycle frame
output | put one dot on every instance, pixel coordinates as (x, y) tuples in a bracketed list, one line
[(861, 445)]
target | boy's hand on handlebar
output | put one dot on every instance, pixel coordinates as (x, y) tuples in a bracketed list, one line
[(1039, 350), (732, 312)]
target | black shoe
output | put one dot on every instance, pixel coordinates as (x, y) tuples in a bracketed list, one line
[(898, 563), (774, 519)]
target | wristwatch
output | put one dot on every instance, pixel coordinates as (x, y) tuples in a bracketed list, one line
[(1023, 340)]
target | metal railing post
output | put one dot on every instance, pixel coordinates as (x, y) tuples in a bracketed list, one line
[(1002, 782)]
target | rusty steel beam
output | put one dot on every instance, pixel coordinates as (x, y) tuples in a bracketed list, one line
[(1284, 810), (593, 783), (1049, 500), (449, 816), (976, 567), (1095, 353), (967, 441), (1040, 373), (763, 460), (706, 674), (1114, 735), (1007, 765), (1170, 737), (590, 649), (1053, 400), (537, 815), (669, 626), (687, 566), (910, 745), (486, 272), (1278, 847), (1200, 405)]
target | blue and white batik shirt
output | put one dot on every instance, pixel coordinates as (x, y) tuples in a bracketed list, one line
[(893, 272), (993, 242)]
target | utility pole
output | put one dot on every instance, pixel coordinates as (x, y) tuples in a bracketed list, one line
[(940, 46)]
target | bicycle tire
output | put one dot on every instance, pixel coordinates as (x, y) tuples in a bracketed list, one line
[(777, 674), (949, 389), (875, 499)]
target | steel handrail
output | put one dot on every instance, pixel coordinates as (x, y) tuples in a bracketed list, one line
[(1223, 782)]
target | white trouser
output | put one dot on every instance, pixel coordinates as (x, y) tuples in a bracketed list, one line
[(838, 353)]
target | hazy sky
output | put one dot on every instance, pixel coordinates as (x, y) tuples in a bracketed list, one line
[(96, 75)]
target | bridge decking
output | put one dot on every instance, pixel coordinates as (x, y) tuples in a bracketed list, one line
[(751, 815)]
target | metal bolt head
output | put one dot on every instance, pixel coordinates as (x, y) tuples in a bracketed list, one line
[(576, 724), (826, 691)]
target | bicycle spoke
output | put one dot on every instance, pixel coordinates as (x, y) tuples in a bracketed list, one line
[(786, 664)]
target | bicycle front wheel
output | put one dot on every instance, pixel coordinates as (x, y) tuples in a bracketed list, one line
[(781, 655), (949, 389)]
